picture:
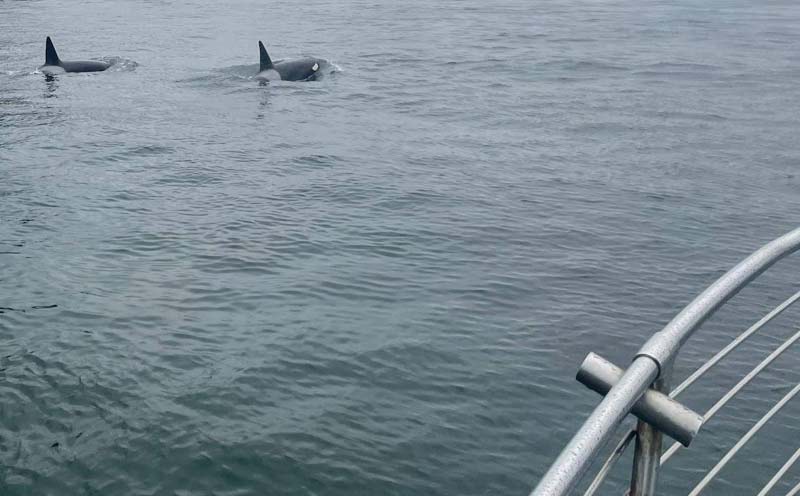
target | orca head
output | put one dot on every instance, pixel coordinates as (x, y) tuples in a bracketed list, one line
[(314, 70), (305, 69)]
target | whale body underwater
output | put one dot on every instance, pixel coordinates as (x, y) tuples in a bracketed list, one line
[(306, 69), (53, 64)]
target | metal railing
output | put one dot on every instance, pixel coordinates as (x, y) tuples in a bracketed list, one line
[(644, 391)]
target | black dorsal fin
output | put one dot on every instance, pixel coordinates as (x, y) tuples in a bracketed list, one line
[(50, 54), (266, 62)]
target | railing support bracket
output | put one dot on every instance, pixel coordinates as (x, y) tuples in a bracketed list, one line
[(656, 408)]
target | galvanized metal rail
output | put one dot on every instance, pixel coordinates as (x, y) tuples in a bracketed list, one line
[(643, 390)]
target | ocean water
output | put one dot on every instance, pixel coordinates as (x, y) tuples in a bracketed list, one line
[(382, 282)]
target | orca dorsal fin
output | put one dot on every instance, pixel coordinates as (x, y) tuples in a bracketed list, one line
[(266, 62), (50, 54)]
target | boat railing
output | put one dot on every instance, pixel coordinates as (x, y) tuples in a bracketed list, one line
[(643, 390)]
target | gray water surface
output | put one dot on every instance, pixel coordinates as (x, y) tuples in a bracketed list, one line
[(383, 282)]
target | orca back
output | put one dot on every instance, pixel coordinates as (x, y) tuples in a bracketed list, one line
[(84, 65)]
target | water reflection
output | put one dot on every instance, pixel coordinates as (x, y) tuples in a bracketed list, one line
[(51, 85), (264, 104)]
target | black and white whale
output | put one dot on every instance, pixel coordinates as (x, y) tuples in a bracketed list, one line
[(54, 65), (306, 69)]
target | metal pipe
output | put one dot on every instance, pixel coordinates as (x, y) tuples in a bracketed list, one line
[(780, 473), (734, 344), (653, 407), (644, 474), (606, 468), (738, 387), (663, 346), (575, 458), (753, 430), (649, 437)]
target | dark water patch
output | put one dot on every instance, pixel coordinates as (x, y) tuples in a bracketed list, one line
[(127, 153), (570, 40), (316, 161), (190, 178), (579, 66), (692, 116)]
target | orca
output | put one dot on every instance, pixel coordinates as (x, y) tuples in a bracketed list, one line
[(306, 69), (53, 64)]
